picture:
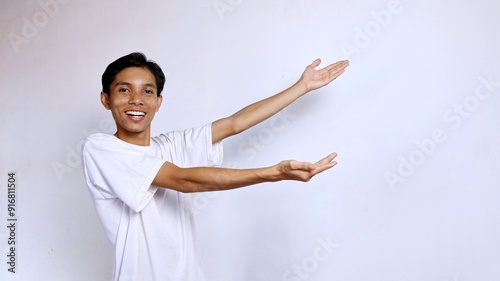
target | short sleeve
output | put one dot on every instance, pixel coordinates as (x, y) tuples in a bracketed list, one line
[(117, 170), (192, 147)]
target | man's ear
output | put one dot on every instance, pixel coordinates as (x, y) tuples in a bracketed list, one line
[(160, 100), (105, 100)]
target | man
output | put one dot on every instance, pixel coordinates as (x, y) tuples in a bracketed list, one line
[(141, 184)]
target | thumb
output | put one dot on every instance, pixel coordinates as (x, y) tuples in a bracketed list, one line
[(316, 62)]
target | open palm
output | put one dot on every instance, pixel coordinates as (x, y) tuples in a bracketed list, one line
[(314, 79)]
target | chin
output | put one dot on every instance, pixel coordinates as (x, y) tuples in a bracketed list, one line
[(136, 131), (132, 130)]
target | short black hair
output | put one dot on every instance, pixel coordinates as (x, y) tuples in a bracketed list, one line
[(132, 60)]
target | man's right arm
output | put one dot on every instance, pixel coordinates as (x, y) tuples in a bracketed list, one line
[(257, 112), (199, 179)]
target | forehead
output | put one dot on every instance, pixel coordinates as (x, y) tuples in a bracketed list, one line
[(135, 76)]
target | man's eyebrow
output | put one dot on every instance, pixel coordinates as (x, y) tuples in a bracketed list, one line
[(123, 83), (150, 85)]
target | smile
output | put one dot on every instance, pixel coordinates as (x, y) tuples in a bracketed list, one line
[(135, 113)]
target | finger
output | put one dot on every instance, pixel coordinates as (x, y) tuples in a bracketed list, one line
[(315, 63), (335, 70), (327, 159), (322, 168), (334, 74), (338, 65)]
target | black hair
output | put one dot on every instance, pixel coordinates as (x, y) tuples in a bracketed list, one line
[(132, 60)]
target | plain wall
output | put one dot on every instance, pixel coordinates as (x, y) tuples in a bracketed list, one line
[(415, 120)]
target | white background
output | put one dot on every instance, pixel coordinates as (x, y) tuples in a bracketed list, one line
[(414, 196)]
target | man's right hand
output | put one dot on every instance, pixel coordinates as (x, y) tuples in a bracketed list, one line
[(304, 171)]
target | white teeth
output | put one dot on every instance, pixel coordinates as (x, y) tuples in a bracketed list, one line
[(136, 113)]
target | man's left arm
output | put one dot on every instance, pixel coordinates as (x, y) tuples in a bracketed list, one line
[(255, 113)]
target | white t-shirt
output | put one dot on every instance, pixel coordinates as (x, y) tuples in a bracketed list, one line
[(151, 228)]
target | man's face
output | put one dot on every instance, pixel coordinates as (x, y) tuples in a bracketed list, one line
[(133, 101)]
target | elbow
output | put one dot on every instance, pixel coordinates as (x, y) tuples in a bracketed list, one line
[(186, 186), (187, 189), (237, 125), (200, 179), (226, 127), (184, 180)]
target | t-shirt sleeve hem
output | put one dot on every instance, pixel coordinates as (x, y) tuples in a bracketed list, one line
[(215, 151), (146, 191)]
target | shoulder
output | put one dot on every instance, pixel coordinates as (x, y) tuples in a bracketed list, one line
[(100, 137), (185, 134), (98, 140)]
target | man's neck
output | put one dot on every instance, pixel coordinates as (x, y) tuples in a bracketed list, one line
[(142, 138)]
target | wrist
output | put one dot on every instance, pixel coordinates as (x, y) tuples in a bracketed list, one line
[(271, 174), (301, 87)]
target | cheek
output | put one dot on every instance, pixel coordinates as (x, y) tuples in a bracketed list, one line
[(157, 106)]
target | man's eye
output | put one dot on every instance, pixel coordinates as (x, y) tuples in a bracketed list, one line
[(149, 92), (123, 90)]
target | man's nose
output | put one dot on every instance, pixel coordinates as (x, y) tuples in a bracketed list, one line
[(136, 98)]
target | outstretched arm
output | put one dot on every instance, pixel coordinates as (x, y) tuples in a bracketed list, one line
[(212, 179), (255, 113)]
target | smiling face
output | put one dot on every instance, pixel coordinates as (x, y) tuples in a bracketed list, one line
[(133, 102)]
